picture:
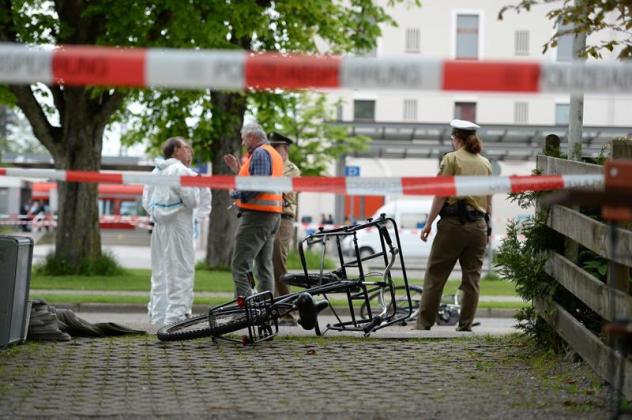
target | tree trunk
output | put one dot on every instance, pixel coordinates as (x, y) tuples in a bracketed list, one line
[(227, 122), (78, 235)]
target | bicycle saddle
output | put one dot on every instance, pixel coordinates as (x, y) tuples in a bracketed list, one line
[(308, 310), (312, 279)]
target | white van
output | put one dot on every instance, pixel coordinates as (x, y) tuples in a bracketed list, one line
[(410, 216)]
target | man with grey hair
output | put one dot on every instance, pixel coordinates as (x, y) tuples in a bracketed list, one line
[(172, 252), (259, 212)]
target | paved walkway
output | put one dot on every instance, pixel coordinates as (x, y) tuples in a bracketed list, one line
[(288, 378), (487, 327)]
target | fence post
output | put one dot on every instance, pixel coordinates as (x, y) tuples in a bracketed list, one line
[(620, 149), (552, 148)]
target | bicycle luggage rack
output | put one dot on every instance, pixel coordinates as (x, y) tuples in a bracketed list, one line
[(360, 288), (262, 324)]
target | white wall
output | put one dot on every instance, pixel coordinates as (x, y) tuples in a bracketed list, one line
[(436, 20)]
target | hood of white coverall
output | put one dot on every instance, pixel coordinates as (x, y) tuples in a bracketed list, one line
[(165, 201)]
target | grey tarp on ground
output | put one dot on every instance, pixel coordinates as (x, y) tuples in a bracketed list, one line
[(50, 324)]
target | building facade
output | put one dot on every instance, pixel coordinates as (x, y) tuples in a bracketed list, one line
[(464, 30)]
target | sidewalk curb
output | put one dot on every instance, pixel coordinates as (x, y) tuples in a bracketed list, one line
[(201, 308)]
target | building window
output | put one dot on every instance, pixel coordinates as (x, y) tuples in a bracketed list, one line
[(565, 43), (467, 37), (521, 112), (410, 110), (364, 110), (465, 111), (562, 114), (521, 43), (413, 40)]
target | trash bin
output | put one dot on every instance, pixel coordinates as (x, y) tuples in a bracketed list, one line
[(16, 255)]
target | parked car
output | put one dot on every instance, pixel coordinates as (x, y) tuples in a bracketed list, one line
[(410, 216)]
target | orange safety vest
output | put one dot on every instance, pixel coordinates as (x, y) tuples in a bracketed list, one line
[(265, 201)]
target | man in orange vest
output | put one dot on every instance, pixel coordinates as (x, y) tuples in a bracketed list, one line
[(259, 212)]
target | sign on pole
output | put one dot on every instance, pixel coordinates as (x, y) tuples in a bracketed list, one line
[(352, 171)]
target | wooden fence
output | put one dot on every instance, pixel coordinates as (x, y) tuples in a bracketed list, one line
[(608, 303)]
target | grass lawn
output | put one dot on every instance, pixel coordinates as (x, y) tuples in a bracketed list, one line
[(133, 280), (209, 281)]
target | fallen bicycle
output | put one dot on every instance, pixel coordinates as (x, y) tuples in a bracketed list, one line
[(373, 303)]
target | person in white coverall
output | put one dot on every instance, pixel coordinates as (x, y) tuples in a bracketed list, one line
[(201, 213), (172, 251)]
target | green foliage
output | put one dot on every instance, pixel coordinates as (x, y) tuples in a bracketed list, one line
[(521, 258), (303, 117), (291, 26), (526, 199), (589, 17), (594, 264), (6, 96), (104, 265)]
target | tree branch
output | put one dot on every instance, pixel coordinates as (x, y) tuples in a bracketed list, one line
[(108, 104), (161, 22), (7, 26), (58, 99), (48, 135)]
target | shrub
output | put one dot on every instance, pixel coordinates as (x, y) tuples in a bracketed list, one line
[(105, 265), (522, 261)]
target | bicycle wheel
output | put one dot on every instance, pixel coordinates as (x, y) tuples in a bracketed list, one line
[(224, 322), (401, 300), (312, 279), (188, 329)]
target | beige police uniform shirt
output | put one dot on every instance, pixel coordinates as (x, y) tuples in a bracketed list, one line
[(463, 163), (290, 199)]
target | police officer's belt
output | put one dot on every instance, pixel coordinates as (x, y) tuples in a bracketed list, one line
[(464, 212)]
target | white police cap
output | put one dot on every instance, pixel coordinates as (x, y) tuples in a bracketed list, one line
[(464, 125)]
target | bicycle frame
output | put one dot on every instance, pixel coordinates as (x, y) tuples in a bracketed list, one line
[(262, 310), (360, 284)]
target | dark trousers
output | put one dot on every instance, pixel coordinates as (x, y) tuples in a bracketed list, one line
[(454, 242), (254, 241)]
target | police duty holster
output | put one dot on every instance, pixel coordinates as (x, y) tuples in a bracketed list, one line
[(464, 214), (461, 211)]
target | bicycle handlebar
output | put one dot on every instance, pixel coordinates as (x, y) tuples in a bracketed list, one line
[(386, 235)]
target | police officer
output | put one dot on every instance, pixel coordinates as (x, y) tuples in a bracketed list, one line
[(286, 229), (462, 232)]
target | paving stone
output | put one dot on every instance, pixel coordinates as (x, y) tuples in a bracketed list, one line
[(369, 378)]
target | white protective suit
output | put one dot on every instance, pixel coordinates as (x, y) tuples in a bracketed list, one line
[(172, 251), (201, 212)]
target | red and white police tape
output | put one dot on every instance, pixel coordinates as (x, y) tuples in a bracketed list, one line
[(230, 69), (439, 185)]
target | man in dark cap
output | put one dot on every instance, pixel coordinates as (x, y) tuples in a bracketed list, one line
[(286, 230)]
